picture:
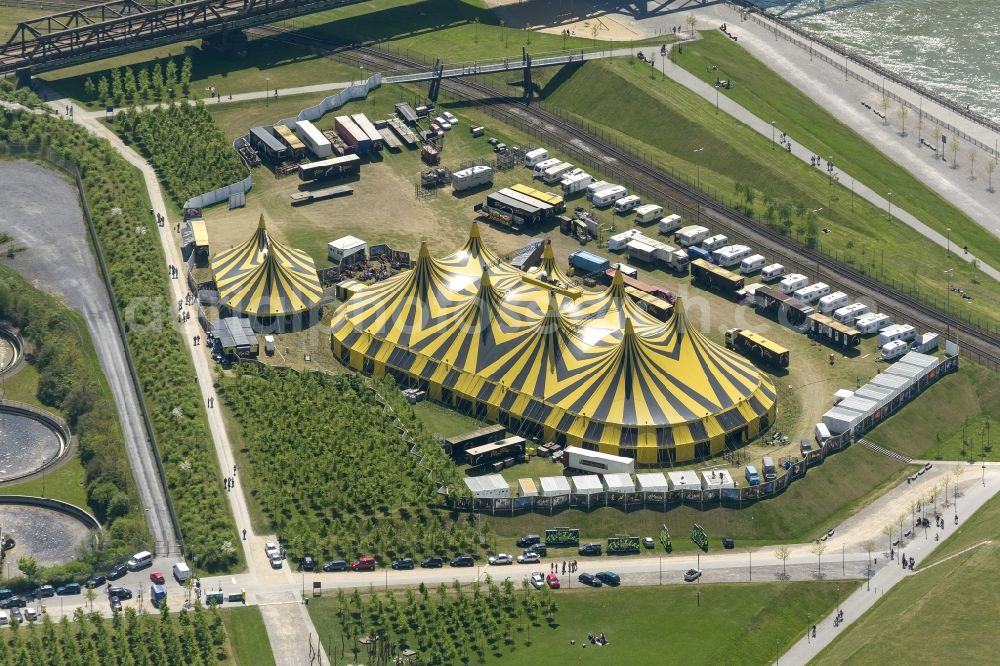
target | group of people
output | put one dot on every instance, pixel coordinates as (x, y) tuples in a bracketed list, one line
[(554, 567), (599, 639)]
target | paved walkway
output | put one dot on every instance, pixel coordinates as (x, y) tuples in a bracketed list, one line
[(975, 492)]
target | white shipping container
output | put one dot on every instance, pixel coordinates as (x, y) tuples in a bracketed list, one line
[(926, 342)]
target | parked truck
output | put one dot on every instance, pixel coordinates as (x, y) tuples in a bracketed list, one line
[(757, 346), (587, 263)]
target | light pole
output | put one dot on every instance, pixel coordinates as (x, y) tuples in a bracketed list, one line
[(890, 206), (949, 242), (267, 91), (773, 142)]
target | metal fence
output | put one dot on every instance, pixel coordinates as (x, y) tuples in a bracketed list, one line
[(734, 498), (778, 28)]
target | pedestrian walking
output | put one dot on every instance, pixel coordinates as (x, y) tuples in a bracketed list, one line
[(564, 567), (244, 534), (234, 469)]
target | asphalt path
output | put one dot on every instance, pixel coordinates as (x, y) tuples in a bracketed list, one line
[(41, 210)]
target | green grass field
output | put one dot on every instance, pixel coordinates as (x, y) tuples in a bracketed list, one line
[(440, 420), (938, 614), (65, 482), (972, 393), (734, 624), (247, 637), (764, 93), (667, 124)]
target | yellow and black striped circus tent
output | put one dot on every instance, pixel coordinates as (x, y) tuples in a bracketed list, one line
[(533, 351), (265, 279)]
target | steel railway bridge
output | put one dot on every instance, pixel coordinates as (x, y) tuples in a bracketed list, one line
[(108, 29)]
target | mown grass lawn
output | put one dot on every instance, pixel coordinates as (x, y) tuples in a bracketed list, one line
[(734, 624), (65, 482), (939, 615), (247, 636)]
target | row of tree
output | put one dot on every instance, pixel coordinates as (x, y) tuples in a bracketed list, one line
[(124, 85), (127, 233)]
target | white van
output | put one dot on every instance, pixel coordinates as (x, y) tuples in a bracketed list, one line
[(831, 302), (596, 187), (609, 196), (533, 157), (541, 167), (627, 203), (792, 282), (872, 323), (713, 243), (848, 313), (894, 349), (771, 272), (691, 235), (670, 224), (752, 264), (140, 561), (181, 572)]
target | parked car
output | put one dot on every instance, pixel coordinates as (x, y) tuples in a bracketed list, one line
[(552, 581), (307, 563), (608, 577), (363, 563), (40, 592), (433, 562), (539, 548), (116, 604), (122, 593), (30, 614), (271, 549), (117, 572), (501, 559), (590, 579), (68, 588), (403, 563), (7, 594), (13, 602), (692, 575), (528, 540), (157, 577), (96, 581), (335, 565), (463, 561), (529, 558), (450, 117), (537, 580), (276, 561), (15, 614), (728, 543), (648, 542), (592, 548)]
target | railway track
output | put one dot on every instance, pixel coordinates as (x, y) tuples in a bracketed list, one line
[(658, 185)]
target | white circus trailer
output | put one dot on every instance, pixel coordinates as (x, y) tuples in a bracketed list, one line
[(541, 167), (670, 224), (618, 242), (555, 173), (812, 293), (533, 157), (771, 272), (691, 235), (752, 264), (792, 282), (648, 213), (903, 332), (577, 182), (553, 486), (831, 302), (490, 485), (731, 255), (872, 323), (849, 313), (619, 483), (588, 484), (638, 250), (651, 482), (313, 138), (608, 196), (596, 462), (894, 349), (596, 187), (627, 203), (475, 176), (684, 480), (713, 243), (717, 479)]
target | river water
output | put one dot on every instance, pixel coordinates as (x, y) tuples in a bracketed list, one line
[(949, 46)]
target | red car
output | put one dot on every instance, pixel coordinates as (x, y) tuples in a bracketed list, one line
[(365, 563), (553, 581), (157, 578)]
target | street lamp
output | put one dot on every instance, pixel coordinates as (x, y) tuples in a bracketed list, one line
[(890, 206), (949, 242), (267, 91), (773, 142)]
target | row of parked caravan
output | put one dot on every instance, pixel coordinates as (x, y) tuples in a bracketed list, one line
[(716, 249)]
